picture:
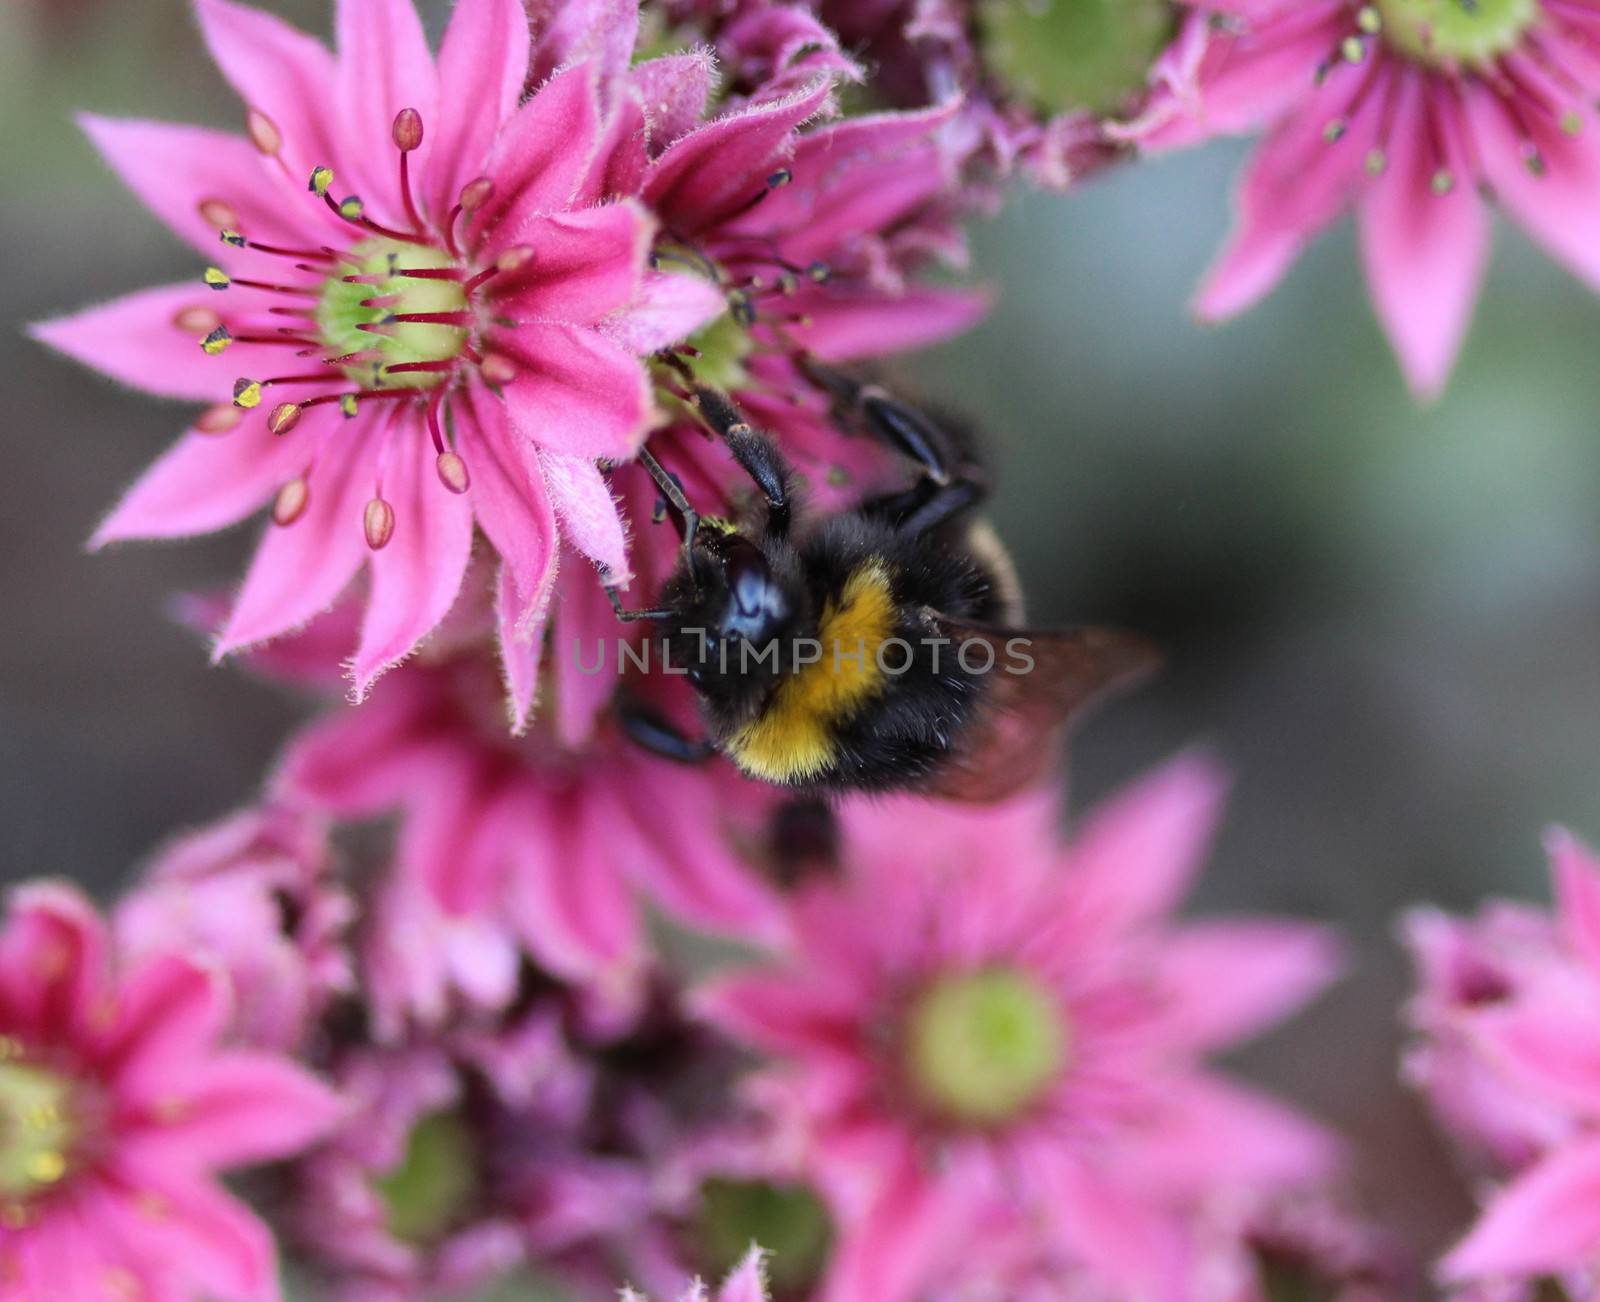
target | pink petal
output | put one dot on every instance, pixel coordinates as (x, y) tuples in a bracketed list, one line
[(1549, 1045), (300, 570), (509, 500), (842, 330), (243, 1108), (780, 1013), (888, 1253), (576, 392), (1556, 206), (748, 1283), (590, 518), (675, 90), (587, 265), (1577, 880), (135, 340), (1296, 183), (669, 307), (280, 72), (354, 764), (169, 1015), (416, 577), (1231, 980), (1546, 1221), (601, 32), (583, 652), (214, 1241), (1207, 1133), (174, 169), (204, 482), (1136, 855), (1125, 1241), (1424, 252), (578, 923), (521, 649), (541, 157), (53, 965), (482, 64), (384, 66), (715, 169)]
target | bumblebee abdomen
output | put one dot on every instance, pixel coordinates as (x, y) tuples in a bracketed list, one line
[(795, 738)]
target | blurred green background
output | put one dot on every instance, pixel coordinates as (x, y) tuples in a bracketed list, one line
[(1385, 618)]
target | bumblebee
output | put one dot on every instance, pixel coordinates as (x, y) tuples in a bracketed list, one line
[(875, 649)]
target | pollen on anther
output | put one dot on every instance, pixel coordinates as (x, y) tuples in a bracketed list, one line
[(351, 207), (1353, 48), (349, 405), (233, 238), (284, 417), (216, 341), (218, 419), (321, 179), (377, 522), (219, 212), (407, 130), (217, 278), (264, 133), (246, 393), (291, 502), (453, 472)]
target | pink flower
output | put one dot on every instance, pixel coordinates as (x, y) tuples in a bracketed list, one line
[(1408, 113), (978, 1018), (459, 321), (508, 843), (252, 895), (1464, 968), (119, 1113), (1541, 1037), (747, 1284)]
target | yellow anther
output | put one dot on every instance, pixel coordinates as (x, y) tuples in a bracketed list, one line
[(233, 238), (321, 179), (1353, 48), (349, 404), (246, 393), (351, 208), (217, 278), (1369, 20), (216, 341), (47, 1167)]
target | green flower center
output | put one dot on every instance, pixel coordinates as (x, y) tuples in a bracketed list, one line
[(37, 1132), (983, 1047), (1439, 32), (435, 1180), (788, 1220), (1073, 54), (361, 318)]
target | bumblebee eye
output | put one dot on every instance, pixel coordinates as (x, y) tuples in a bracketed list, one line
[(756, 604)]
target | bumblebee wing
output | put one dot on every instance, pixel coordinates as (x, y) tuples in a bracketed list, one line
[(1040, 682)]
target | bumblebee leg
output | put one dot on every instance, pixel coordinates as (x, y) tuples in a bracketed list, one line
[(660, 736), (631, 616), (672, 490), (756, 454), (938, 506), (903, 427)]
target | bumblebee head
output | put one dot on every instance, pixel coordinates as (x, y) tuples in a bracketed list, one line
[(737, 604)]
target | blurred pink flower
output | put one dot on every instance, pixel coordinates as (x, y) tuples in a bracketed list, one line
[(747, 1284), (1465, 966), (120, 1111), (1409, 113), (512, 843), (1540, 1035), (979, 1017), (253, 896)]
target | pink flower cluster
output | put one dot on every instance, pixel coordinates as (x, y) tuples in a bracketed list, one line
[(479, 983), (1508, 1046)]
